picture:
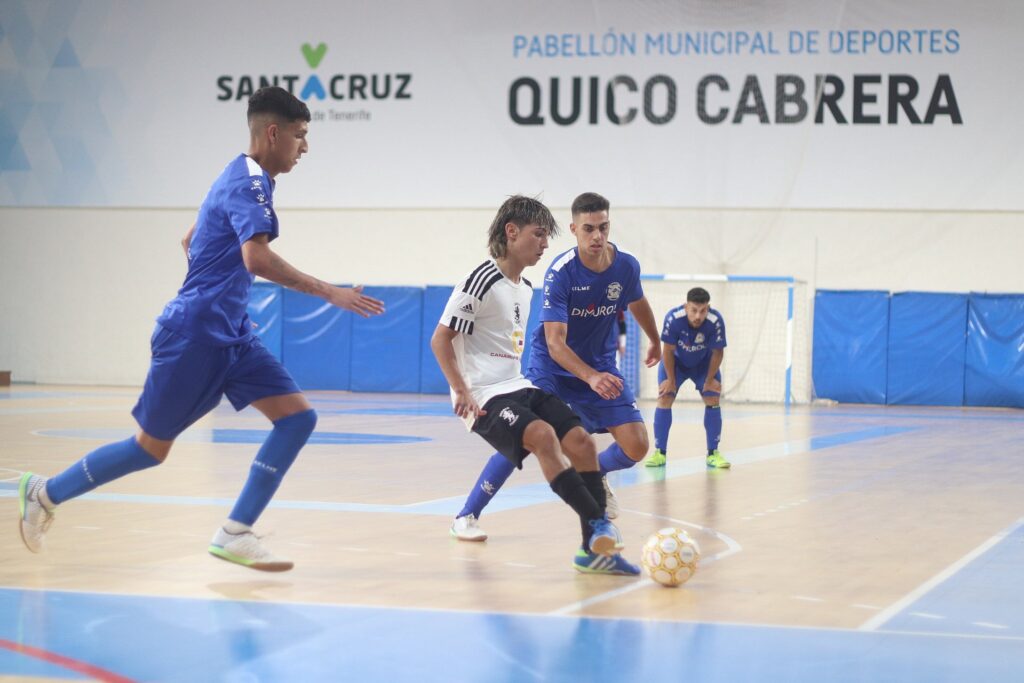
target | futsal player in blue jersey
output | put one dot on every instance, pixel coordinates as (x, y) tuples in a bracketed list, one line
[(204, 348), (694, 339), (572, 354)]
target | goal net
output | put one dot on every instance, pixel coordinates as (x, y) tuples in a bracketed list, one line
[(767, 329)]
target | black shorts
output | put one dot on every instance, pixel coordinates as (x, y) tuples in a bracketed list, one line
[(509, 414)]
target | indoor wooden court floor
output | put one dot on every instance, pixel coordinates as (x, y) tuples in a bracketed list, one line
[(847, 543)]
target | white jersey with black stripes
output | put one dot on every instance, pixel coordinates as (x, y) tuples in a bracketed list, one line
[(489, 312)]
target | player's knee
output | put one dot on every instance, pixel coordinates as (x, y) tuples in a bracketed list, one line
[(637, 448), (711, 401), (539, 438), (578, 444), (665, 401), (300, 424)]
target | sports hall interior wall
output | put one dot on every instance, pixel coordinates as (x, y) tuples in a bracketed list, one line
[(79, 288)]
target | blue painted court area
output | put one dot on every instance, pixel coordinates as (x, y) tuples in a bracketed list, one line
[(189, 640), (983, 598), (256, 436)]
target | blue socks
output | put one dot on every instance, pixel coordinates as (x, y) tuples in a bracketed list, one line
[(614, 458), (662, 425), (103, 465), (496, 471), (274, 458), (713, 426)]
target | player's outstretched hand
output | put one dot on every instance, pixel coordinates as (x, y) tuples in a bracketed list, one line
[(653, 354), (606, 385), (353, 299)]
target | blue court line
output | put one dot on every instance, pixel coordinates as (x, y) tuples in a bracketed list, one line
[(1013, 416), (27, 395), (251, 436), (513, 498), (227, 640)]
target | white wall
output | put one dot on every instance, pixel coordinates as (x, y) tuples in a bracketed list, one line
[(80, 288)]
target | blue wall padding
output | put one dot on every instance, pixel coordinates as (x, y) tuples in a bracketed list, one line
[(265, 309), (317, 342), (851, 331), (995, 351), (927, 343), (386, 351), (432, 380)]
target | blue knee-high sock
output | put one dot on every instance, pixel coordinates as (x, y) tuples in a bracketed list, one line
[(713, 426), (662, 426), (614, 458), (274, 458), (495, 472), (103, 465)]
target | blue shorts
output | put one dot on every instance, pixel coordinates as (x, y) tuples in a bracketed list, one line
[(186, 380), (596, 413), (698, 374)]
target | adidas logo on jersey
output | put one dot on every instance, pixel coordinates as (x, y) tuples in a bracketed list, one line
[(468, 308)]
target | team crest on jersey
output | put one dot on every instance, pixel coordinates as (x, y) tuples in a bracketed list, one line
[(699, 339), (507, 415), (614, 291), (518, 342), (515, 315)]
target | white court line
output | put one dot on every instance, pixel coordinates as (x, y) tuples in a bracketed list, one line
[(732, 548), (892, 610)]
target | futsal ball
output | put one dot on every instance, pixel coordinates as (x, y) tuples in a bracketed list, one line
[(670, 556)]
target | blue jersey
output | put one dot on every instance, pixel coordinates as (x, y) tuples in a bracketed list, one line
[(210, 306), (589, 304), (693, 346)]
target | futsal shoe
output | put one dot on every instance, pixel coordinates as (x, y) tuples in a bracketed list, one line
[(592, 563), (716, 461), (467, 529), (611, 503), (36, 516), (247, 550), (606, 539), (656, 459)]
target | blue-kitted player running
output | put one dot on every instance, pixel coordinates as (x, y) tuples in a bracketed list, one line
[(204, 347), (572, 354), (694, 338)]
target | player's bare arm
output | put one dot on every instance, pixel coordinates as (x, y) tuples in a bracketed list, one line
[(187, 239), (668, 357), (261, 260), (441, 344), (714, 363), (641, 310), (605, 384)]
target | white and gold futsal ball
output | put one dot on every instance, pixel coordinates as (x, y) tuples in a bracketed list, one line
[(670, 556)]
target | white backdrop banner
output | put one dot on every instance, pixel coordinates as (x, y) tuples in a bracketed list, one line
[(455, 103)]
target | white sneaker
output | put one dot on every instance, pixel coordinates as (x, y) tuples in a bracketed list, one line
[(611, 506), (247, 550), (467, 529), (35, 517)]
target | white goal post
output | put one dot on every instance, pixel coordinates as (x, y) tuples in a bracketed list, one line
[(767, 329)]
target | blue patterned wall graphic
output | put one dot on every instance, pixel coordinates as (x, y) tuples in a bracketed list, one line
[(54, 135)]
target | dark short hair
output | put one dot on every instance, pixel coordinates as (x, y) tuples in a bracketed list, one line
[(589, 202), (278, 102), (521, 211), (698, 295)]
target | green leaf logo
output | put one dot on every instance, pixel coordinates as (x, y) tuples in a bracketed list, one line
[(313, 55)]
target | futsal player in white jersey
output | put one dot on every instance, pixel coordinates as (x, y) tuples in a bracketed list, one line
[(478, 344)]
